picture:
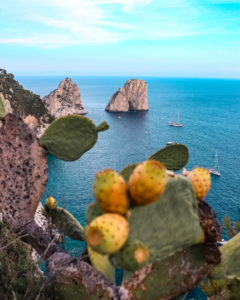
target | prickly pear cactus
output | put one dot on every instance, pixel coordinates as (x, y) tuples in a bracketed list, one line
[(155, 224), (2, 109), (174, 157), (229, 268), (93, 211), (168, 278), (101, 263), (69, 137), (127, 171), (66, 223)]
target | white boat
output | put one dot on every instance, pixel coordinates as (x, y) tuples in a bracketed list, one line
[(171, 143), (175, 124), (216, 170)]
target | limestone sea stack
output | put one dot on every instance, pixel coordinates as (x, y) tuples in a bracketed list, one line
[(132, 96), (65, 100)]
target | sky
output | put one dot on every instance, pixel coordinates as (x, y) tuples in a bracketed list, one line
[(166, 38)]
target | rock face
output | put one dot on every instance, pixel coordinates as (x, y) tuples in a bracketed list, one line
[(133, 96), (65, 100)]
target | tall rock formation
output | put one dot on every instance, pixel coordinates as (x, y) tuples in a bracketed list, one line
[(65, 100), (133, 96)]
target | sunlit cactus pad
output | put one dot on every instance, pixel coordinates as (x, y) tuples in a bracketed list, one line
[(101, 263), (2, 109), (170, 224), (229, 268), (174, 157), (68, 138)]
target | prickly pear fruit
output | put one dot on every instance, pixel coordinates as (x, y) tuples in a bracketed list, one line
[(50, 203), (147, 182), (110, 191), (201, 181), (107, 233), (133, 256)]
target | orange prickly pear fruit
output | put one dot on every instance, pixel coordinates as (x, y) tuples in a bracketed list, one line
[(147, 182), (110, 191), (50, 203), (107, 233), (201, 181)]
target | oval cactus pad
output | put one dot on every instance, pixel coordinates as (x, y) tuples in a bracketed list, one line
[(68, 138), (174, 157)]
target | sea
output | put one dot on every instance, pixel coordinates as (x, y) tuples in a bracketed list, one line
[(209, 109)]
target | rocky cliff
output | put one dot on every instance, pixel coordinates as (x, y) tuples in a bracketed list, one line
[(132, 96), (65, 100)]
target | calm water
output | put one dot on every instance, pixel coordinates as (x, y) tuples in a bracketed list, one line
[(208, 108)]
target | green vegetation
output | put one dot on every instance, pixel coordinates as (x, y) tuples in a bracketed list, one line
[(23, 102), (19, 277), (2, 109)]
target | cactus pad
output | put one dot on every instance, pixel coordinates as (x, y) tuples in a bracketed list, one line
[(127, 171), (69, 137), (132, 256), (168, 278), (147, 182), (107, 233), (110, 191), (169, 224), (2, 109), (229, 268), (93, 211), (174, 157), (101, 263), (66, 223)]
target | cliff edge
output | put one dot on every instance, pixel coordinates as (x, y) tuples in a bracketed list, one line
[(132, 96)]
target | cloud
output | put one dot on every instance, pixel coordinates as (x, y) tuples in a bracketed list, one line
[(58, 23)]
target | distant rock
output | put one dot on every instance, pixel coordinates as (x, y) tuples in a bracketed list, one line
[(65, 100), (133, 96)]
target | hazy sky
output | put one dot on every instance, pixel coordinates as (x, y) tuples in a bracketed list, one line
[(190, 38)]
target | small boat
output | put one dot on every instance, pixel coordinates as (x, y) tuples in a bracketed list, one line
[(175, 124), (216, 170), (171, 143)]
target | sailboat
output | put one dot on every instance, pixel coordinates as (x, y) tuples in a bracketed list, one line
[(175, 124), (216, 170)]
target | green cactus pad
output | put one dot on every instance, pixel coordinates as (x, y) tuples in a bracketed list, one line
[(93, 211), (133, 256), (68, 138), (66, 223), (174, 157), (127, 171), (229, 268), (101, 263), (2, 109), (168, 278), (170, 224)]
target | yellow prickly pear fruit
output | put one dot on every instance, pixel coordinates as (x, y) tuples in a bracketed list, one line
[(147, 182), (50, 203), (201, 181), (110, 191), (107, 233)]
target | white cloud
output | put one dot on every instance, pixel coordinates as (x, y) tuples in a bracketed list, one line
[(58, 23)]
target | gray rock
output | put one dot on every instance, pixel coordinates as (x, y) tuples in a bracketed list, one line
[(133, 96), (65, 100)]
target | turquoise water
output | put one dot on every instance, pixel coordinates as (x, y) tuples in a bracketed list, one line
[(208, 108)]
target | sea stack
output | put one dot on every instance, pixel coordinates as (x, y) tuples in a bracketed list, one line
[(65, 100), (132, 96)]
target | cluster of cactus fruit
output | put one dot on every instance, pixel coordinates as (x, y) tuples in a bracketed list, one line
[(149, 221)]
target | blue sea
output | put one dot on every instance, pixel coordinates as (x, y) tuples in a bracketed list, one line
[(208, 108)]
